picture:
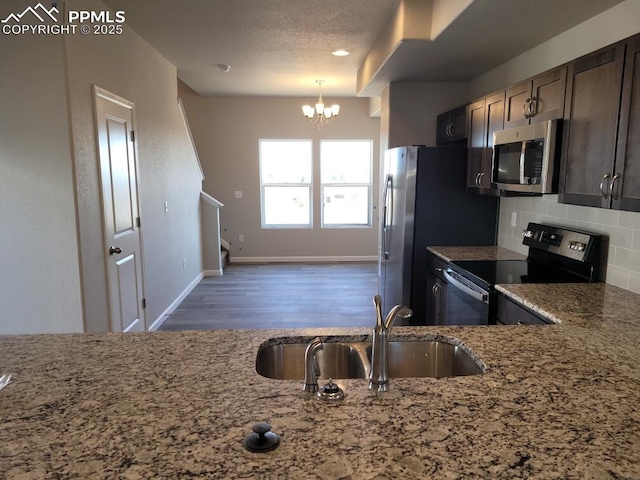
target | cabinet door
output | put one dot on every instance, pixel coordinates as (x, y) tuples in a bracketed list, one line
[(476, 142), (625, 188), (494, 122), (436, 300), (452, 126), (444, 124), (516, 102), (547, 96), (590, 127), (431, 313), (509, 312), (458, 128)]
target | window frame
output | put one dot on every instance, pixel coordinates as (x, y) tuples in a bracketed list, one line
[(263, 224), (368, 185)]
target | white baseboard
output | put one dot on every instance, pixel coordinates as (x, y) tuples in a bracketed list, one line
[(364, 258), (212, 273), (163, 317)]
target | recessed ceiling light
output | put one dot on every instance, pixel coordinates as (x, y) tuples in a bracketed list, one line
[(340, 53)]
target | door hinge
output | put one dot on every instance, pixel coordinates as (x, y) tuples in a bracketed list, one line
[(133, 136), (138, 222), (144, 303)]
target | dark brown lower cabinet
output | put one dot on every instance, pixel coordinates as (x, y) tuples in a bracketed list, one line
[(509, 312), (436, 300)]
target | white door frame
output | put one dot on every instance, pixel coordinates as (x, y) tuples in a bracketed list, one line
[(99, 92)]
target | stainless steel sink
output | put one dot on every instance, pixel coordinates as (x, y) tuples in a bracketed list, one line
[(341, 360), (285, 361)]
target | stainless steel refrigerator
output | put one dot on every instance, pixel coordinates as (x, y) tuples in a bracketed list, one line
[(424, 202)]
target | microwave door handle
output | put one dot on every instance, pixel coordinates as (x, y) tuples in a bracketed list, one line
[(523, 155), (450, 275)]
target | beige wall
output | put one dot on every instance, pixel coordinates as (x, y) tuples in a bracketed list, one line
[(622, 228), (127, 66), (414, 106), (52, 240), (227, 131), (610, 26), (39, 265)]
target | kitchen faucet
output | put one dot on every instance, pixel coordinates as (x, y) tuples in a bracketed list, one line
[(379, 377), (311, 370)]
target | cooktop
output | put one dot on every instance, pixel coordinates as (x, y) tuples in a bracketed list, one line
[(491, 272)]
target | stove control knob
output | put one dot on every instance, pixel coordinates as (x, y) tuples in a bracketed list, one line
[(527, 233)]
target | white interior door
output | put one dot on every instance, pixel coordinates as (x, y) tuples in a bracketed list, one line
[(119, 181)]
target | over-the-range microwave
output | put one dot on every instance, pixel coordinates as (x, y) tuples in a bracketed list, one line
[(524, 158)]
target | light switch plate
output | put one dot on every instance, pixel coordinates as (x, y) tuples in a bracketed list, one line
[(238, 193)]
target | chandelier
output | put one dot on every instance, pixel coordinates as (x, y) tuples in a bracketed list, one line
[(321, 115)]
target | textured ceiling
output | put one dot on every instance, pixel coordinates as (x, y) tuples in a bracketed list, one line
[(274, 47), (280, 47)]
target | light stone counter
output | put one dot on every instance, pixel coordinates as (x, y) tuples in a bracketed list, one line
[(450, 254), (557, 401)]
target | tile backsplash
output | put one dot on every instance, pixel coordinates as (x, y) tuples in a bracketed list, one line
[(621, 248)]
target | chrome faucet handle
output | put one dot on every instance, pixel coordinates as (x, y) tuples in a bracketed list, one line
[(311, 369), (377, 303)]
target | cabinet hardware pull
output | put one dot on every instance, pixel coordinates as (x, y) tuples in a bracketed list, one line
[(612, 186), (478, 179), (605, 195), (481, 176), (524, 107), (533, 111)]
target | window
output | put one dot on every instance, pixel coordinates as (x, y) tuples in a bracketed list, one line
[(285, 183), (346, 181)]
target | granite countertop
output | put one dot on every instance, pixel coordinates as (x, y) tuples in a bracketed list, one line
[(450, 254), (557, 401)]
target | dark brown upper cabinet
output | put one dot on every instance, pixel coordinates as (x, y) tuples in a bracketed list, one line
[(625, 182), (484, 117), (595, 154), (536, 100), (452, 126)]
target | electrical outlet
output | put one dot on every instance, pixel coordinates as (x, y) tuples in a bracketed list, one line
[(240, 238), (514, 219), (184, 263), (238, 193)]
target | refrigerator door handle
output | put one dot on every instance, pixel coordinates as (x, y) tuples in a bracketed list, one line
[(388, 208)]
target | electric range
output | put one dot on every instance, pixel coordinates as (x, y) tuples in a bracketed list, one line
[(556, 255)]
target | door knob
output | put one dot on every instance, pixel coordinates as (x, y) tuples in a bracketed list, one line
[(113, 250)]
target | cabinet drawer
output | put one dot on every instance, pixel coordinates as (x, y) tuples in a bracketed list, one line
[(509, 312), (435, 265)]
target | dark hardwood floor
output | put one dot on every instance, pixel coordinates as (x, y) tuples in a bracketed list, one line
[(281, 296)]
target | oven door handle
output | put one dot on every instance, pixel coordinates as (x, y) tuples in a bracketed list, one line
[(455, 279)]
